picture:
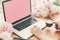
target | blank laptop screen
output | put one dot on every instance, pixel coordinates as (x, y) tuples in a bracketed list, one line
[(16, 9)]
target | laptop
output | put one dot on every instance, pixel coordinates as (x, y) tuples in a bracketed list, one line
[(17, 12)]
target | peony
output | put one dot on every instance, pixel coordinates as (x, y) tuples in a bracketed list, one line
[(5, 36), (6, 31)]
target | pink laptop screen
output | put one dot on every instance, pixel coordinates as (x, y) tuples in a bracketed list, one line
[(16, 9)]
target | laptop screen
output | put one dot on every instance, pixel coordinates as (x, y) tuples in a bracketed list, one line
[(16, 9)]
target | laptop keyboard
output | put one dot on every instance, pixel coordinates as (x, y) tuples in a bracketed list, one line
[(20, 26), (21, 39)]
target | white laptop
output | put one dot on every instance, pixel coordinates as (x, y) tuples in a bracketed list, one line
[(18, 12)]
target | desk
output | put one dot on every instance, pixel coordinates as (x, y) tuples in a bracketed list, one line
[(16, 36)]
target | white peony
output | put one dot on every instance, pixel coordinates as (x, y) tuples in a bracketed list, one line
[(43, 11), (59, 9), (54, 8), (38, 8), (6, 31), (5, 36)]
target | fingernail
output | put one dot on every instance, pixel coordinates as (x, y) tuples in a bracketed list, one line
[(31, 28), (34, 26)]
